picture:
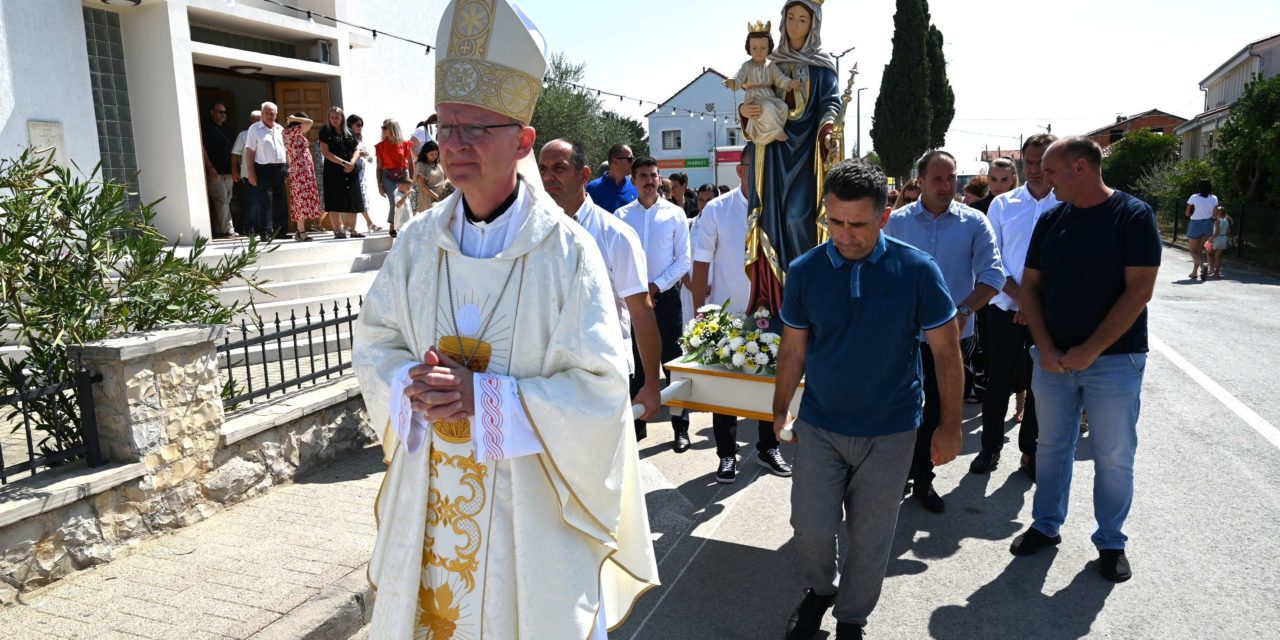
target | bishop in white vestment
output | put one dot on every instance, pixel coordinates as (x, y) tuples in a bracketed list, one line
[(521, 516)]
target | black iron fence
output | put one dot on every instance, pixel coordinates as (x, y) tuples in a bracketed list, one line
[(269, 359), (1254, 234), (48, 426)]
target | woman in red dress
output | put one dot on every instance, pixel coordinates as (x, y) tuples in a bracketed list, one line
[(304, 196)]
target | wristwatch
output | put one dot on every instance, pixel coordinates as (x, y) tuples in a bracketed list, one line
[(964, 310)]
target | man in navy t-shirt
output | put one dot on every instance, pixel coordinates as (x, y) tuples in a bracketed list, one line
[(1090, 271), (853, 310)]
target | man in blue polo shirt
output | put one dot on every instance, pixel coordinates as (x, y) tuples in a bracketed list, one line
[(614, 190), (853, 309)]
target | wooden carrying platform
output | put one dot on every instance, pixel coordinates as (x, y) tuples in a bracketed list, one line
[(718, 390)]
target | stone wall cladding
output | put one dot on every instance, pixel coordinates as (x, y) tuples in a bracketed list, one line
[(165, 410)]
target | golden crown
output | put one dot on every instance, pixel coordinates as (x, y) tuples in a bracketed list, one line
[(759, 27)]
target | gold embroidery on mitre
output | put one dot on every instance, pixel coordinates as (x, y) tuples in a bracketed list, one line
[(487, 85), (472, 27), (461, 349)]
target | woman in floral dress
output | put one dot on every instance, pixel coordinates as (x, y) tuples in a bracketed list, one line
[(304, 196)]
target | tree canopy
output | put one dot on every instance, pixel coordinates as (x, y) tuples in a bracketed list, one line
[(565, 111), (1135, 155), (900, 126)]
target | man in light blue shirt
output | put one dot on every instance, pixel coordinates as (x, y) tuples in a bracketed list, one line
[(962, 243)]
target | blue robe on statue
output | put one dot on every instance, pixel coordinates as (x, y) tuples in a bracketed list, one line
[(790, 190)]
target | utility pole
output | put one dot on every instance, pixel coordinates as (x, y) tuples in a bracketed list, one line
[(858, 145)]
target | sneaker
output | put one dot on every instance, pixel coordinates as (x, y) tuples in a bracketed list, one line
[(807, 618), (773, 461), (1114, 565), (728, 470), (1031, 542), (985, 462), (926, 496), (680, 443), (848, 631)]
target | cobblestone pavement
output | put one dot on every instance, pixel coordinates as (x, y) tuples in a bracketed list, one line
[(227, 577)]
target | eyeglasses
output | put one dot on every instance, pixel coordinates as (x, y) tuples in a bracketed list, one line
[(469, 133)]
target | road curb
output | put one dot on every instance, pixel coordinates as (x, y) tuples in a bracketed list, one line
[(336, 613)]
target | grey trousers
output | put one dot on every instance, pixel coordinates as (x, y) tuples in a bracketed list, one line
[(856, 482)]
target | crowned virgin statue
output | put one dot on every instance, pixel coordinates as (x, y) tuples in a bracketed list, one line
[(785, 178)]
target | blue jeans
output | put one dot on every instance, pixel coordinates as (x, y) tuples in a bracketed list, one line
[(1110, 390)]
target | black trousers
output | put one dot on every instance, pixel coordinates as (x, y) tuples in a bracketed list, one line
[(921, 462), (272, 210), (1008, 371), (668, 313), (725, 428)]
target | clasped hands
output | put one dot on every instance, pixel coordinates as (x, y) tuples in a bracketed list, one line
[(1077, 358), (441, 389)]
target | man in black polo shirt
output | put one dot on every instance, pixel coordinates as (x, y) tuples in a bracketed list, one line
[(1091, 269), (853, 310), (218, 141)]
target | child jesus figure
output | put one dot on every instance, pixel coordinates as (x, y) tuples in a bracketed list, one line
[(764, 83)]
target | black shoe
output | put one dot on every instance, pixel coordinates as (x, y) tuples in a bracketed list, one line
[(848, 631), (773, 461), (806, 619), (642, 431), (985, 462), (728, 470), (1031, 542), (1114, 565), (681, 442), (929, 498), (1028, 466)]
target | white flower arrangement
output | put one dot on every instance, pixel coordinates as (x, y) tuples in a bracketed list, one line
[(716, 337)]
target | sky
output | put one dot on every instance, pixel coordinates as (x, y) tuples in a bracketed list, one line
[(1016, 67)]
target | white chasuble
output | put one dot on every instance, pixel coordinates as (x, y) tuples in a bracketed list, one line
[(527, 520)]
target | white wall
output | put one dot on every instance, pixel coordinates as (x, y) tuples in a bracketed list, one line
[(166, 117), (696, 134), (43, 82)]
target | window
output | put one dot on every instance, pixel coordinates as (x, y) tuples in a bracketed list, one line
[(733, 137), (1116, 134), (671, 140)]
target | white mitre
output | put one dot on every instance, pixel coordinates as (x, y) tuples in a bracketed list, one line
[(490, 55)]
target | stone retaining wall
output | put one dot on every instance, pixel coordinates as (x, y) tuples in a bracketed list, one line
[(162, 426)]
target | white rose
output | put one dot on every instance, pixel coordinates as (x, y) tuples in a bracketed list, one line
[(753, 347), (739, 359), (762, 359)]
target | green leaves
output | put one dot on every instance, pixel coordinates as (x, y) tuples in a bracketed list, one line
[(1136, 154), (567, 112), (1246, 151), (80, 265)]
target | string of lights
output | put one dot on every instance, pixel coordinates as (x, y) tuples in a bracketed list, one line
[(622, 98), (313, 15)]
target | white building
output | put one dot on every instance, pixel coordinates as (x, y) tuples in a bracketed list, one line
[(128, 82), (696, 131), (1221, 90)]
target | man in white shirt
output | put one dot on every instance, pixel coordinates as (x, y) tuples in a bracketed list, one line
[(240, 173), (563, 167), (664, 235), (1013, 216), (719, 254), (267, 159)]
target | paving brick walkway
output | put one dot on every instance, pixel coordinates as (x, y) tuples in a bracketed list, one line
[(227, 577)]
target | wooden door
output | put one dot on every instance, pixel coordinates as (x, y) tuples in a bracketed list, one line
[(310, 97)]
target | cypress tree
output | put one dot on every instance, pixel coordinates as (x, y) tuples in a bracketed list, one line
[(942, 100), (900, 126)]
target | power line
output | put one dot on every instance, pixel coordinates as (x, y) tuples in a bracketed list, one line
[(623, 98), (312, 15)]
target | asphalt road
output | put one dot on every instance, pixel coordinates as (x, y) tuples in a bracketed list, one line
[(1203, 528)]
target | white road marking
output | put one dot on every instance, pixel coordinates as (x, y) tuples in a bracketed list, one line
[(1259, 424)]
